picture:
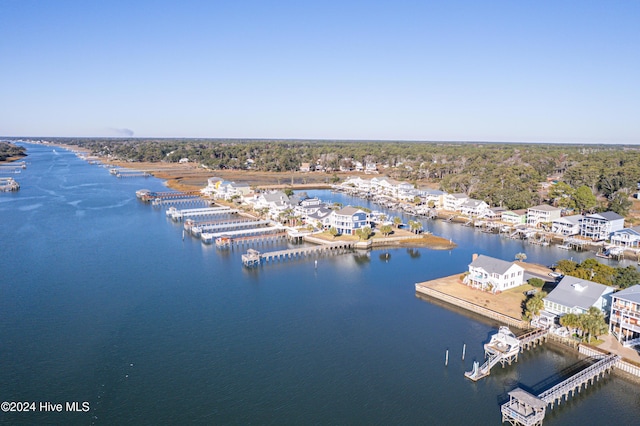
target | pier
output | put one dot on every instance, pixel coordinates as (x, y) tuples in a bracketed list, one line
[(227, 242), (8, 185), (504, 348), (177, 215), (254, 257), (125, 173), (220, 227), (159, 202), (526, 409), (147, 195), (209, 237)]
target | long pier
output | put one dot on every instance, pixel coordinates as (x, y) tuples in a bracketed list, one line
[(209, 237), (213, 228), (526, 409), (254, 257), (159, 202), (177, 215), (148, 195), (226, 242)]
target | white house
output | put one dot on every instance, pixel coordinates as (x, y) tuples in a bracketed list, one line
[(600, 226), (477, 208), (491, 274), (624, 321), (542, 214), (213, 183), (567, 225), (452, 202), (574, 295)]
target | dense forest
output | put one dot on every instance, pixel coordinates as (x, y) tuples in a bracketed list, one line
[(9, 150), (586, 178)]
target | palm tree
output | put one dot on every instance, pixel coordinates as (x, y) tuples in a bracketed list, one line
[(521, 257), (415, 226), (333, 232), (385, 230), (535, 305), (397, 221)]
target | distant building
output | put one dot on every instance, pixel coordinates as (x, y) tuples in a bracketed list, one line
[(567, 225), (305, 167), (452, 202), (515, 217)]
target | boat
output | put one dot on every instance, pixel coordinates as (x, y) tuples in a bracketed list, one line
[(563, 246)]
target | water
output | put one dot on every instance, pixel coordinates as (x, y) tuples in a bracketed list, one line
[(102, 301)]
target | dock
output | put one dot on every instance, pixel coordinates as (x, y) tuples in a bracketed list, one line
[(526, 409), (209, 237), (125, 173), (8, 185), (504, 348), (254, 257), (195, 200), (178, 215), (227, 242), (231, 226), (147, 195)]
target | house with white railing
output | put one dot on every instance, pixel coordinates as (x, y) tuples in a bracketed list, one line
[(538, 215), (348, 220), (515, 217), (624, 320), (626, 237), (475, 208), (600, 226), (567, 225), (491, 274), (453, 202)]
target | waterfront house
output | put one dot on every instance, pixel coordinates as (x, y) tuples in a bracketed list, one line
[(452, 202), (567, 225), (431, 196), (624, 321), (212, 186), (348, 220), (370, 168), (476, 208), (626, 237), (515, 217), (305, 167), (491, 274), (575, 296), (542, 214), (600, 226), (321, 218), (495, 213)]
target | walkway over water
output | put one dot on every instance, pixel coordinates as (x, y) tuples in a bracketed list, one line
[(208, 237), (177, 215), (526, 409), (254, 257)]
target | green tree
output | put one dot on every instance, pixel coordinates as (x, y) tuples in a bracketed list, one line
[(626, 277), (415, 226), (363, 233), (619, 202), (536, 282), (397, 221), (333, 231), (521, 257), (385, 230), (534, 305), (584, 198)]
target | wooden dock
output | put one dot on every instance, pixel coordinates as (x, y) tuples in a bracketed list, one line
[(504, 348), (147, 195), (209, 237), (526, 409), (178, 215), (227, 242), (254, 257)]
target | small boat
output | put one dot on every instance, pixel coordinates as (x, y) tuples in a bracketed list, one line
[(563, 246)]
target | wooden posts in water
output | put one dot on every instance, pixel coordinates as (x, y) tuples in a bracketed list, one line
[(464, 349), (446, 358)]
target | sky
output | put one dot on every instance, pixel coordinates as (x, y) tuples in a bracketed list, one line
[(506, 71)]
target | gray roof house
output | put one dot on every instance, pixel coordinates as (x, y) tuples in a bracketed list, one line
[(576, 296), (624, 321), (489, 273)]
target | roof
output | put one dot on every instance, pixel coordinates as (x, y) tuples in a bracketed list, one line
[(545, 207), (274, 197), (348, 211), (528, 399), (572, 220), (576, 292), (473, 203), (631, 294), (491, 264), (606, 215), (459, 196)]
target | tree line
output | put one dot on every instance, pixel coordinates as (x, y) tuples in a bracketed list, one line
[(9, 150), (586, 178)]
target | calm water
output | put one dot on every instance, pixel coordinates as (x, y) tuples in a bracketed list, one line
[(102, 301)]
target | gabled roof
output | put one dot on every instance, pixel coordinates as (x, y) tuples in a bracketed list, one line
[(606, 216), (473, 203), (576, 292), (631, 231), (275, 197), (545, 208), (348, 211), (631, 294), (459, 196), (492, 265), (321, 213), (571, 220)]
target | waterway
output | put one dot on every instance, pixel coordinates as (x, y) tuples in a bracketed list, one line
[(101, 300)]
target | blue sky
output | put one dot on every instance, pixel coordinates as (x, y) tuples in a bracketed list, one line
[(539, 71)]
